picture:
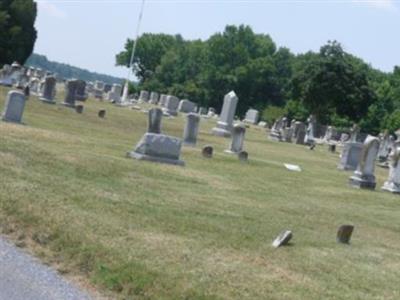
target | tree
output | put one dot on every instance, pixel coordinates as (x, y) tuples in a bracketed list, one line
[(150, 50), (17, 31)]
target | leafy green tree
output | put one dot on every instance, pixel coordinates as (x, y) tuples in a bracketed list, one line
[(17, 31), (150, 50)]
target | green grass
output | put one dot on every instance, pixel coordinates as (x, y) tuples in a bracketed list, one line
[(141, 230)]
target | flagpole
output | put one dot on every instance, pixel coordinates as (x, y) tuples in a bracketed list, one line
[(126, 87)]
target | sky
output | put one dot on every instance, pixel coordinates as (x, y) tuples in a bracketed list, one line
[(89, 33)]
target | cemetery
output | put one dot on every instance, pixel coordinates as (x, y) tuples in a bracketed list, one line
[(228, 164), (193, 220)]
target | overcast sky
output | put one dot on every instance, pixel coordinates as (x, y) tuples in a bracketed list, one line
[(88, 33)]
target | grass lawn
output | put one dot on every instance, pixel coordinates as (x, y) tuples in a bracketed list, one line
[(142, 230)]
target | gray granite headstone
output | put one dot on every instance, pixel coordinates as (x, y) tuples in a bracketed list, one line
[(392, 184), (155, 118), (70, 93), (238, 134), (252, 116), (282, 239), (49, 90), (158, 148), (154, 98), (364, 176), (186, 106), (144, 96), (171, 105), (14, 108), (191, 129), (207, 151), (225, 123), (81, 94), (344, 234)]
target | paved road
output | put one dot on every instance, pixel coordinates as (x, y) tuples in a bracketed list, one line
[(22, 277)]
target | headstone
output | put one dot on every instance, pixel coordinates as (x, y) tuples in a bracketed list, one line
[(115, 94), (238, 133), (14, 107), (364, 176), (310, 132), (329, 134), (262, 124), (243, 156), (155, 118), (158, 148), (202, 111), (225, 123), (191, 129), (392, 184), (27, 91), (163, 100), (211, 112), (344, 234), (186, 106), (351, 152), (384, 146), (81, 94), (49, 90), (144, 96), (70, 93), (107, 87), (79, 109), (332, 148), (207, 151), (102, 113), (252, 116), (276, 130), (171, 105), (300, 129), (154, 97), (282, 239)]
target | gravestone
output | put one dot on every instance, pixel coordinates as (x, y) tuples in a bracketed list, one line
[(243, 156), (392, 184), (282, 239), (49, 90), (158, 148), (34, 85), (79, 109), (384, 147), (163, 99), (329, 134), (202, 111), (225, 123), (364, 176), (207, 151), (211, 112), (275, 133), (102, 113), (70, 93), (154, 97), (300, 134), (351, 151), (262, 124), (154, 122), (115, 94), (191, 129), (144, 96), (332, 148), (252, 116), (81, 94), (107, 88), (186, 106), (238, 133), (310, 131), (344, 234), (171, 105), (14, 107)]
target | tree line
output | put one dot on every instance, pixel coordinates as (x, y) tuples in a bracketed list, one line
[(67, 71), (337, 87)]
